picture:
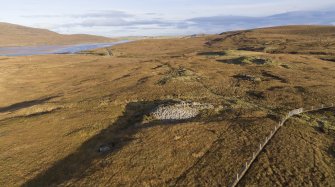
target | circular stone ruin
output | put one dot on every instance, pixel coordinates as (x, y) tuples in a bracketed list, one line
[(179, 111)]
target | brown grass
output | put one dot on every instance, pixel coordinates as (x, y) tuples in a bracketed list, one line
[(104, 101)]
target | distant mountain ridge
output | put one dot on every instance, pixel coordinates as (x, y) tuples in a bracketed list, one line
[(225, 23), (16, 35)]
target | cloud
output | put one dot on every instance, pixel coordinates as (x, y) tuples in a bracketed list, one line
[(110, 18), (226, 23), (94, 14), (117, 22), (103, 14), (154, 24)]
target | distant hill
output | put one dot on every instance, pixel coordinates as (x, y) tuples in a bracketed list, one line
[(16, 35), (216, 24)]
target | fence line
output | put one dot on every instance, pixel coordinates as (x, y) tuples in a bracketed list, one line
[(248, 164)]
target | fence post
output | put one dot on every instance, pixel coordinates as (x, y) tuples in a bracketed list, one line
[(267, 139)]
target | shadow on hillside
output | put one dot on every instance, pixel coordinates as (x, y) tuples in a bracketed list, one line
[(238, 61), (25, 104), (117, 135), (211, 53)]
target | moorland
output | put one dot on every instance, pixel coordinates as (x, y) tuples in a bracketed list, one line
[(91, 119)]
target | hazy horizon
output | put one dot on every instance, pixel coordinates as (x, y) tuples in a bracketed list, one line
[(158, 18)]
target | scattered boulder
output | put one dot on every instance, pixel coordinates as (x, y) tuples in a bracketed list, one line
[(105, 148)]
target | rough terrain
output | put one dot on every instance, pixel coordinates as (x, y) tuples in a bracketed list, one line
[(87, 119)]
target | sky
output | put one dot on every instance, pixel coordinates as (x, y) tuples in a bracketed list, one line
[(115, 18)]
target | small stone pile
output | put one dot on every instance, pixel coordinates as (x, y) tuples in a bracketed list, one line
[(179, 111)]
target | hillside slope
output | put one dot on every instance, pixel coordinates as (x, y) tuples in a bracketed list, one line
[(93, 120), (16, 35)]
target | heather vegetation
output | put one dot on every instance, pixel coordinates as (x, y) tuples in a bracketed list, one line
[(179, 111)]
